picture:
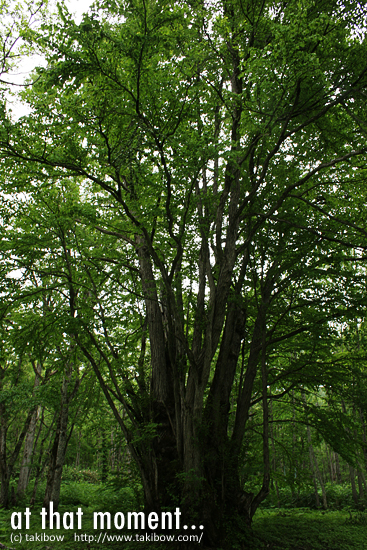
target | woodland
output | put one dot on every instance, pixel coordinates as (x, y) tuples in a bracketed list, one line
[(183, 223)]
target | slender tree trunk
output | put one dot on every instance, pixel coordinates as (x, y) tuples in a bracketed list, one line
[(312, 466), (7, 459), (41, 463), (274, 453), (364, 437), (319, 477), (58, 451), (315, 467), (112, 452), (294, 464), (4, 488), (329, 454), (360, 476), (352, 474), (78, 445), (25, 468), (4, 471), (60, 456), (360, 485), (363, 477), (104, 456), (337, 468), (56, 461)]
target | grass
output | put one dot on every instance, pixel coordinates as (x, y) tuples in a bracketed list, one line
[(273, 529), (298, 529), (36, 538), (305, 529), (74, 494)]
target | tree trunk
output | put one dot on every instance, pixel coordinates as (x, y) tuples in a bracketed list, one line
[(337, 468), (313, 469), (78, 446), (104, 455), (56, 462), (4, 470), (274, 454), (4, 488), (25, 467), (8, 460), (59, 447), (352, 474), (41, 464), (360, 485), (316, 472), (364, 437)]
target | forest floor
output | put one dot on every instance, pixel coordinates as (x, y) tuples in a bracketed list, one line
[(306, 529), (276, 529)]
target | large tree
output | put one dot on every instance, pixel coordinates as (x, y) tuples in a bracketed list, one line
[(220, 154)]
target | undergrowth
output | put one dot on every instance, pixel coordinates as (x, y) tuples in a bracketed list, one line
[(342, 527)]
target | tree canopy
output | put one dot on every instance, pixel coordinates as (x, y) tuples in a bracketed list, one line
[(191, 214)]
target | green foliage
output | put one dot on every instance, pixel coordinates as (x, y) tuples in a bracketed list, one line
[(291, 530), (339, 497), (183, 232), (77, 475)]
